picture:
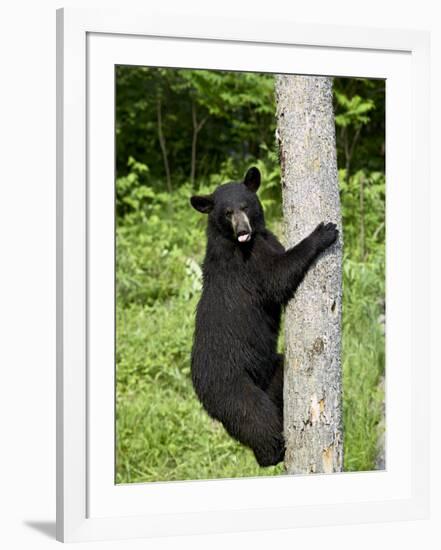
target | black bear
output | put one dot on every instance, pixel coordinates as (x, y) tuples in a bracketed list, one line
[(248, 278)]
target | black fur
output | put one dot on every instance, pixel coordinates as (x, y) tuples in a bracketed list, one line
[(236, 372)]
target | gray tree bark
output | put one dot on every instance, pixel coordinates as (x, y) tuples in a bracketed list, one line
[(312, 386)]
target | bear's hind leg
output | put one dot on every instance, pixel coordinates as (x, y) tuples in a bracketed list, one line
[(255, 420)]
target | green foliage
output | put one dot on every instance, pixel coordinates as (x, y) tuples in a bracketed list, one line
[(237, 109), (162, 431), (363, 203), (157, 246), (354, 110), (359, 106)]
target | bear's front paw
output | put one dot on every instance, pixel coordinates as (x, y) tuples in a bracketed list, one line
[(326, 235)]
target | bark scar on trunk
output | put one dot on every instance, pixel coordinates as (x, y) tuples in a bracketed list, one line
[(327, 459)]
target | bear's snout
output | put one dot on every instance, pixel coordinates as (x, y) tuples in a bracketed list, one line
[(241, 226)]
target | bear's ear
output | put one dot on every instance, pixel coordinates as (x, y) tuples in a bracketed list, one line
[(252, 179), (203, 203)]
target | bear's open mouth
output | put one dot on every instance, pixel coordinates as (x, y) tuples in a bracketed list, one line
[(244, 237)]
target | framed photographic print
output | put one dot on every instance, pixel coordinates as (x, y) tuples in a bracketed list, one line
[(242, 294)]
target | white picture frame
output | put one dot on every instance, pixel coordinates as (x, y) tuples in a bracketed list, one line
[(89, 505)]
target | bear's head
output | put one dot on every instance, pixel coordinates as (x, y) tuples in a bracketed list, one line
[(234, 209)]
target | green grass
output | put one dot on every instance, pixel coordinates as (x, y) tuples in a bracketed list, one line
[(363, 364)]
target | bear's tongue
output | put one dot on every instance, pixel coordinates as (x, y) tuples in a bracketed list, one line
[(243, 238)]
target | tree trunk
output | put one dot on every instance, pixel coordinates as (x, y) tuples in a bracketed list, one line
[(197, 127), (163, 145), (312, 388)]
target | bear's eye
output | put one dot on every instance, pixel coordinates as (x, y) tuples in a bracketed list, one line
[(244, 207), (228, 212)]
